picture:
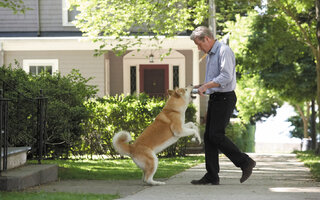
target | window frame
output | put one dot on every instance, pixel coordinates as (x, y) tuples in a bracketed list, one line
[(40, 62), (65, 9)]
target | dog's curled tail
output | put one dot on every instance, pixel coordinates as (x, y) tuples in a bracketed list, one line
[(120, 142)]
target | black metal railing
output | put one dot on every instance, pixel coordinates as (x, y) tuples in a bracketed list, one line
[(3, 132), (39, 121), (41, 124)]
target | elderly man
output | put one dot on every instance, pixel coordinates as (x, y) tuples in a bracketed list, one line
[(220, 82)]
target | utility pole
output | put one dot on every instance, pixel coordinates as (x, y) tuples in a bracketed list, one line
[(212, 17)]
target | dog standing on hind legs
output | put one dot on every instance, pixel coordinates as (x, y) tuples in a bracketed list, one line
[(165, 130)]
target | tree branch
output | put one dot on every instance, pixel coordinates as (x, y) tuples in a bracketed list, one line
[(306, 37)]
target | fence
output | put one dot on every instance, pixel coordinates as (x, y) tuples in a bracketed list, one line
[(40, 126), (3, 131)]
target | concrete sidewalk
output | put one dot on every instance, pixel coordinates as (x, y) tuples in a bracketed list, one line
[(275, 177)]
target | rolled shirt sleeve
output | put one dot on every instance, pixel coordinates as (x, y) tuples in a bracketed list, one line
[(221, 68), (227, 67)]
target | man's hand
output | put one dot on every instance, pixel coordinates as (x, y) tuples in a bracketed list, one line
[(202, 89), (197, 86)]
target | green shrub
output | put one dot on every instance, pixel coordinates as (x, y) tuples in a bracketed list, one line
[(75, 124), (236, 132), (65, 110), (131, 113)]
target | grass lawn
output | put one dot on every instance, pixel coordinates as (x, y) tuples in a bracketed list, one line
[(54, 196), (119, 169), (312, 161)]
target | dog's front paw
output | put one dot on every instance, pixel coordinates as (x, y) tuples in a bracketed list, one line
[(197, 135), (199, 138), (196, 138), (190, 125)]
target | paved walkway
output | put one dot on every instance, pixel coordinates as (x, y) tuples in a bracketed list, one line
[(275, 177)]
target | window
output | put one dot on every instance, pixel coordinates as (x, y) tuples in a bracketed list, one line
[(68, 15), (34, 70), (37, 66), (175, 76), (133, 79)]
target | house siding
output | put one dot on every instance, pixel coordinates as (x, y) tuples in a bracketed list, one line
[(88, 65), (189, 76), (19, 22), (50, 18), (116, 71), (203, 101), (188, 64)]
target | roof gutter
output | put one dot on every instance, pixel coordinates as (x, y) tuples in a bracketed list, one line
[(38, 19)]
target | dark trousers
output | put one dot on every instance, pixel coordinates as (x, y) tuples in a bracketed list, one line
[(220, 109)]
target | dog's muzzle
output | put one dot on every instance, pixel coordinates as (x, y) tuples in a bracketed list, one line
[(194, 91)]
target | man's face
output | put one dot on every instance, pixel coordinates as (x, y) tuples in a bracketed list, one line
[(204, 45)]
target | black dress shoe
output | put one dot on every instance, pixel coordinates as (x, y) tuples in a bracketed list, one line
[(204, 181), (247, 171)]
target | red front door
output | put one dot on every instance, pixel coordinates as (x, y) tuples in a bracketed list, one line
[(154, 79)]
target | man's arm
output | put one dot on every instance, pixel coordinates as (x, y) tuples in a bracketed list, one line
[(203, 88)]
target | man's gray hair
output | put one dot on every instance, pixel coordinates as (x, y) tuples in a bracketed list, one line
[(200, 32)]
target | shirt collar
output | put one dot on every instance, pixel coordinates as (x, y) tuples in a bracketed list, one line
[(215, 47)]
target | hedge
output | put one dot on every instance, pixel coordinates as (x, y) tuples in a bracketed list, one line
[(78, 123), (65, 111), (131, 113)]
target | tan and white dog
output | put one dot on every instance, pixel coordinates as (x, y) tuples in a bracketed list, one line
[(166, 129)]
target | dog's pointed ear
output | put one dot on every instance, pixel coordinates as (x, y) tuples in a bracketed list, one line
[(180, 91), (170, 92)]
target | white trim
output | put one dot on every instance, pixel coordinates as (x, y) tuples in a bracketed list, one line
[(136, 58), (83, 43), (1, 55), (65, 8), (106, 76), (196, 80), (28, 62)]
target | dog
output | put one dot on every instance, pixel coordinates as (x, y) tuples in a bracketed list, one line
[(165, 130)]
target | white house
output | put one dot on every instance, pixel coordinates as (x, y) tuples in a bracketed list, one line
[(44, 38)]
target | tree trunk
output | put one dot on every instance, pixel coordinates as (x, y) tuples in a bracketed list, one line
[(317, 2), (313, 132), (212, 17), (305, 120)]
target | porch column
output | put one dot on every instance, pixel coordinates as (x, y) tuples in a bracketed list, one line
[(1, 55), (106, 75), (195, 78)]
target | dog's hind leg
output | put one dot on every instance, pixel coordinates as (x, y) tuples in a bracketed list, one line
[(150, 170), (148, 162)]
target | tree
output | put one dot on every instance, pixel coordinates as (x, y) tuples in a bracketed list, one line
[(126, 20), (283, 63), (304, 20), (297, 132), (255, 102), (17, 6), (228, 11)]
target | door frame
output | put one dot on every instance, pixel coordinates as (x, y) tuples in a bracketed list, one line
[(142, 67), (135, 58)]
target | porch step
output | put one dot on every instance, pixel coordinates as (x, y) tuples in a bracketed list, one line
[(194, 149), (27, 176), (17, 156)]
